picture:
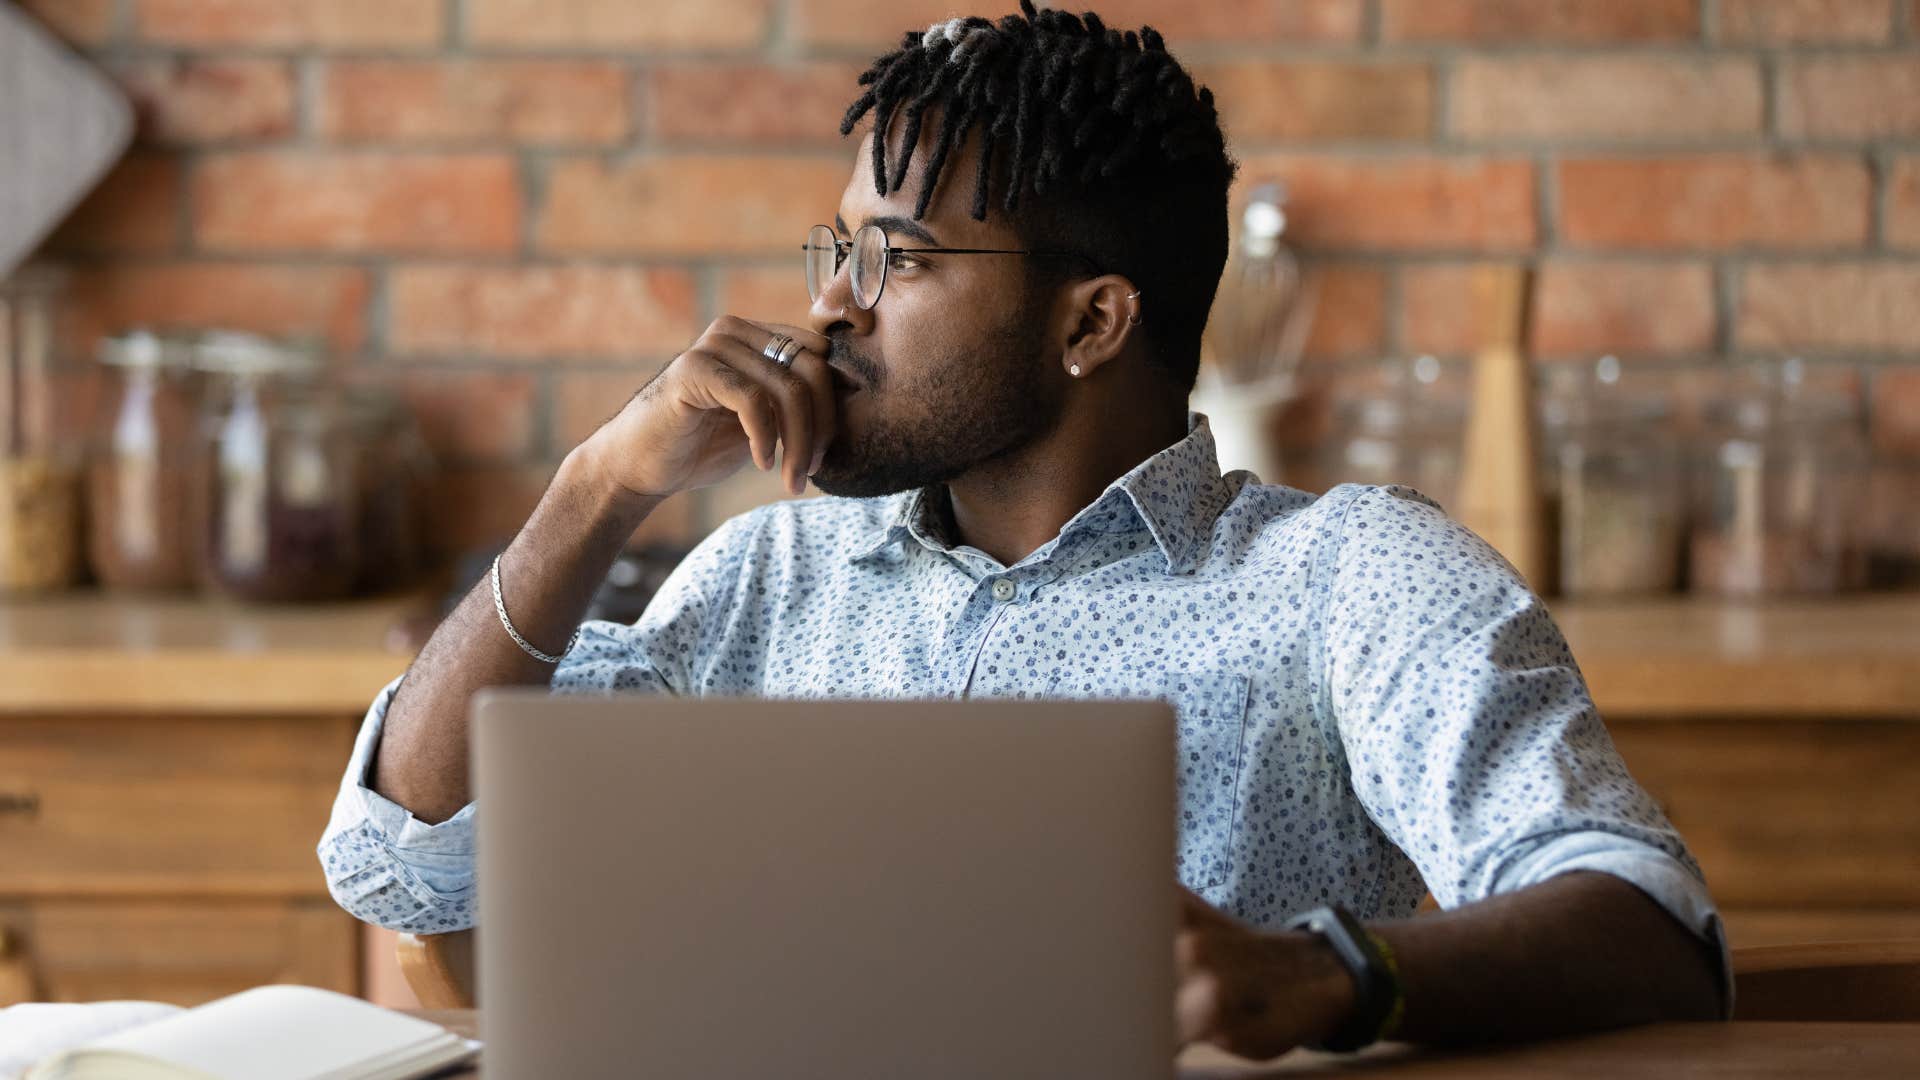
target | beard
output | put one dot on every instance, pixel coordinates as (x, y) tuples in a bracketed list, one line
[(969, 405)]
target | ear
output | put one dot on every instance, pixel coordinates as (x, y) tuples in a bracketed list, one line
[(1101, 315)]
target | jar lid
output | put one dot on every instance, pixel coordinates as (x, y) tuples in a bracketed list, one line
[(145, 349), (233, 353)]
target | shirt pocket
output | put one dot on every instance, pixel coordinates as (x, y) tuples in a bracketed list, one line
[(1210, 711)]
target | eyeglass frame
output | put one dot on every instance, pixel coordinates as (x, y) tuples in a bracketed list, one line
[(887, 250)]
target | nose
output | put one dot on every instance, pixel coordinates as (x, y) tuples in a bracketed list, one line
[(835, 305)]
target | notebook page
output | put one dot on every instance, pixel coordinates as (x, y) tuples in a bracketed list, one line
[(37, 1030), (277, 1033)]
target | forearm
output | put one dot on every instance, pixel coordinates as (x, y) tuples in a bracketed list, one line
[(1582, 951), (548, 575)]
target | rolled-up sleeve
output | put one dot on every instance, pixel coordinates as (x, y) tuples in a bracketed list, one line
[(1468, 731), (387, 867)]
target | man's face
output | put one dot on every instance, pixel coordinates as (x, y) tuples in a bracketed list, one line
[(951, 363)]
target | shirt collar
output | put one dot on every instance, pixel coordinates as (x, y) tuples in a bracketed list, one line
[(1176, 495)]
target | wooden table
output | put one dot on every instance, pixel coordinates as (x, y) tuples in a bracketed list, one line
[(1849, 1051)]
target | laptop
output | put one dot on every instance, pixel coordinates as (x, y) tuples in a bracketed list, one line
[(716, 887)]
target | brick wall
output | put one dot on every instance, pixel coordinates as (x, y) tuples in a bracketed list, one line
[(516, 210)]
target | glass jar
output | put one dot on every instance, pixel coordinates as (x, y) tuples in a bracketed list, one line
[(1614, 481), (39, 469), (278, 475), (140, 465), (1400, 424), (396, 477), (1781, 485)]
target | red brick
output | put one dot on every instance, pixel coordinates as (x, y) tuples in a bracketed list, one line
[(764, 294), (785, 102), (1585, 307), (576, 101), (474, 506), (1350, 312), (618, 24), (328, 302), (538, 311), (1896, 410), (191, 100), (1715, 202), (291, 23), (689, 206), (469, 416), (1605, 97), (1539, 20), (1845, 306), (582, 401), (134, 210), (82, 22), (1401, 203), (366, 202), (1777, 22), (1903, 204), (1854, 97), (880, 23), (1322, 100), (1438, 309)]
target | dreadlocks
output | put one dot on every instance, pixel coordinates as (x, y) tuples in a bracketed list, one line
[(1119, 155)]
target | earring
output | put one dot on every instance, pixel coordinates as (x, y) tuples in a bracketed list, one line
[(1074, 370), (1133, 320)]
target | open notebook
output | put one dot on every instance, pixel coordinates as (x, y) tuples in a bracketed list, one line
[(267, 1033)]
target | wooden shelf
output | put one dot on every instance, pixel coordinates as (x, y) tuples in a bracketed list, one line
[(1848, 658), (1680, 658), (101, 653)]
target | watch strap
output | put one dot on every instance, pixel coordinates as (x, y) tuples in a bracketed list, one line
[(1378, 999)]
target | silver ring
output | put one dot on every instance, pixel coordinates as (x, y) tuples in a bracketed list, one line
[(776, 350), (788, 354)]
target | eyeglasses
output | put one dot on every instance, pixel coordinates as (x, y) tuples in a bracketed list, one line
[(872, 255)]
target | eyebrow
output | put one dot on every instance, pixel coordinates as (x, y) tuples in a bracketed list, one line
[(893, 224)]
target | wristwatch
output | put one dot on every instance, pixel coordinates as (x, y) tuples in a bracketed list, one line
[(1378, 1001)]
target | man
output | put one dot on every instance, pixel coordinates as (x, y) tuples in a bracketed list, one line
[(1371, 702)]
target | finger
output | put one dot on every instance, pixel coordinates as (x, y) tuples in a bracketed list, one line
[(792, 392), (1195, 1008), (813, 371), (810, 364), (792, 398), (1186, 952), (815, 343), (726, 387)]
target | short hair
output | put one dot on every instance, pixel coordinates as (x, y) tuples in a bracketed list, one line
[(1112, 150)]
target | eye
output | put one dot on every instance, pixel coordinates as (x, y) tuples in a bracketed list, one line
[(899, 261)]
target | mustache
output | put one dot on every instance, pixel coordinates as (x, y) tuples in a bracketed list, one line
[(842, 355)]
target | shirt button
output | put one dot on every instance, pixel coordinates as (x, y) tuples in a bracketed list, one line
[(1004, 589)]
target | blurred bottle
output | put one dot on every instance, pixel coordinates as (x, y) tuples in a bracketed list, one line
[(39, 467), (140, 464), (1262, 311)]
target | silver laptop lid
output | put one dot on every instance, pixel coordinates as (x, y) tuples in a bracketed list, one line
[(743, 888)]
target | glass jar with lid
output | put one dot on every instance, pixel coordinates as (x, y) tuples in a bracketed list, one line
[(396, 475), (39, 467), (278, 476), (1782, 475), (1615, 481), (140, 464)]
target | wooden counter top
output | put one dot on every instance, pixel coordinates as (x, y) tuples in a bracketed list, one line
[(1855, 657), (96, 652), (1850, 658)]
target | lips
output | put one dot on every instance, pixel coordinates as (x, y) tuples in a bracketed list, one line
[(843, 383)]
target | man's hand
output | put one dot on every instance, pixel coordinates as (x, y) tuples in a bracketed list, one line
[(1254, 994)]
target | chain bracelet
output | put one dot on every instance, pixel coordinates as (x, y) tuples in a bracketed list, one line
[(500, 608)]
